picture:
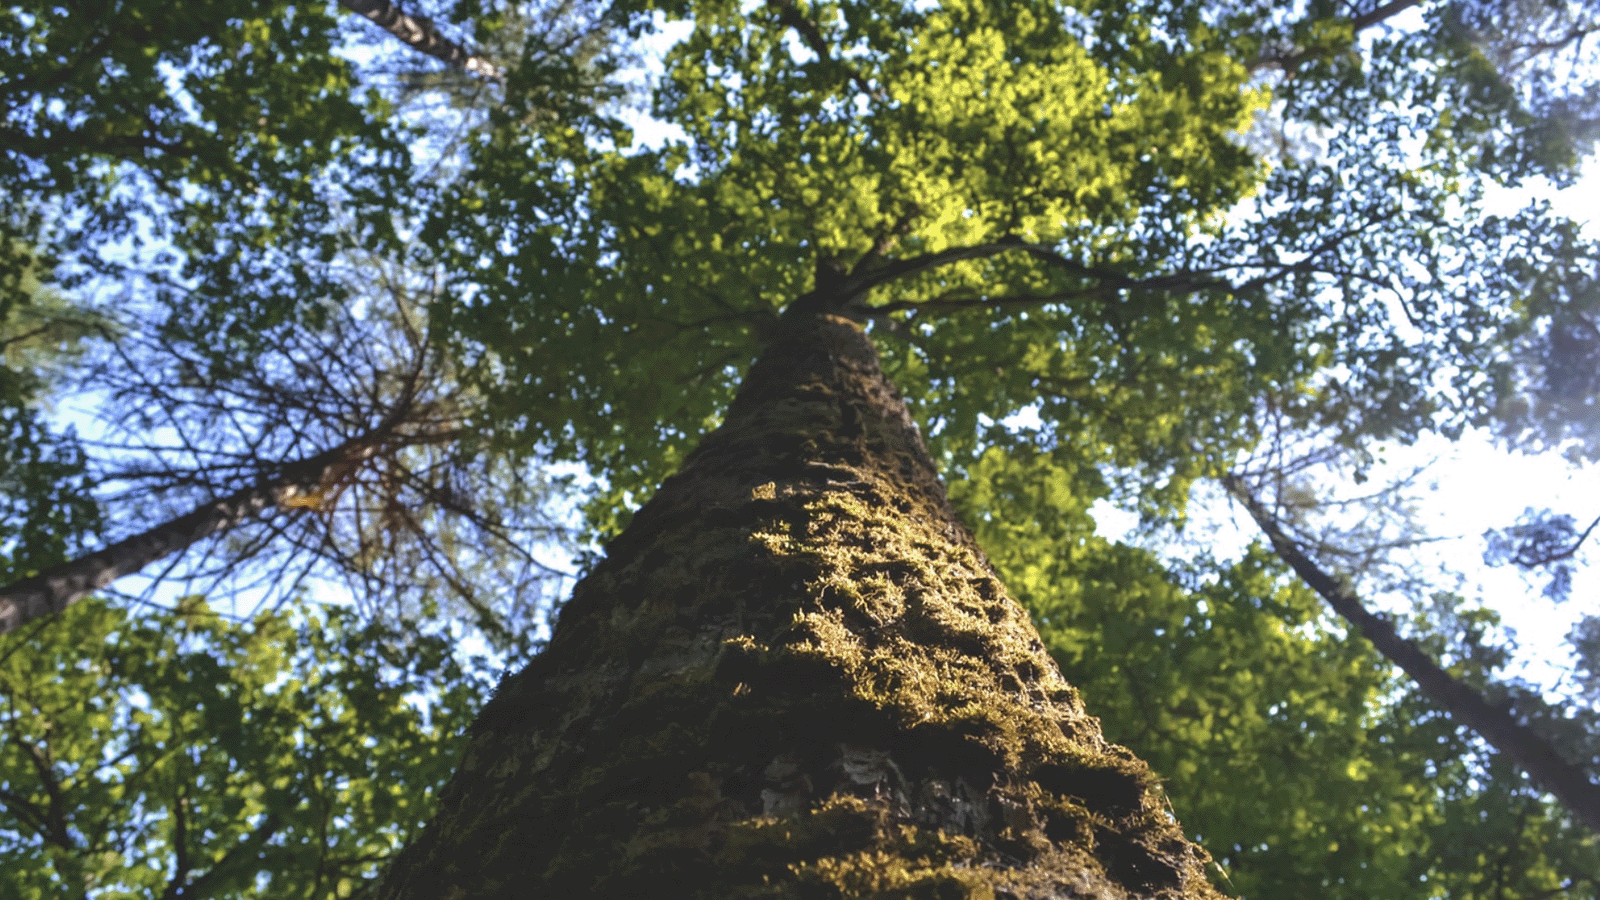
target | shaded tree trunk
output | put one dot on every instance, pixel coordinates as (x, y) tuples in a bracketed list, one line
[(1525, 747), (297, 487), (795, 674)]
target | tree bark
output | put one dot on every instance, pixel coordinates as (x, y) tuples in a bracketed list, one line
[(58, 587), (1525, 747), (795, 674), (421, 36)]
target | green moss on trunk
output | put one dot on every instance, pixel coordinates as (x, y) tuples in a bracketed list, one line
[(795, 675)]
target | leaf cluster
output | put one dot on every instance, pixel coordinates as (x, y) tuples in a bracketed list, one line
[(183, 754), (208, 148)]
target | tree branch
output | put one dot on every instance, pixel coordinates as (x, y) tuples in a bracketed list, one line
[(1530, 751), (419, 34), (120, 145), (251, 843), (56, 588), (1294, 57), (1528, 561), (789, 15)]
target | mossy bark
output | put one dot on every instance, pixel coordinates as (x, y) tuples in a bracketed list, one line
[(796, 675)]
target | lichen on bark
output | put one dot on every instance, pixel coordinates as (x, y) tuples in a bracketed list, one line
[(796, 675)]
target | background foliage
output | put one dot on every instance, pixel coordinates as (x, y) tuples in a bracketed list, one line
[(183, 754)]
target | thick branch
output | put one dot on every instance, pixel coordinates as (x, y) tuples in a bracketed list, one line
[(1382, 13), (180, 848), (858, 284), (843, 294), (420, 35), (56, 588), (1548, 769)]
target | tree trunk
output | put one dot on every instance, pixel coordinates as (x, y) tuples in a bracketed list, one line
[(793, 675), (420, 35), (1524, 746), (296, 486)]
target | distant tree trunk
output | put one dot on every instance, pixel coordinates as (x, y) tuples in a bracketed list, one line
[(420, 35), (795, 674), (1525, 747), (296, 486)]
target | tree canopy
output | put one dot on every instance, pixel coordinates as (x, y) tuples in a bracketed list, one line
[(1103, 248), (184, 754)]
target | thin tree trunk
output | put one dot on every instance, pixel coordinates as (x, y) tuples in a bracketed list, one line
[(795, 674), (421, 36), (1548, 769), (56, 588)]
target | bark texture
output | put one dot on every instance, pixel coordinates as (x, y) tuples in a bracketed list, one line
[(1524, 746), (796, 675)]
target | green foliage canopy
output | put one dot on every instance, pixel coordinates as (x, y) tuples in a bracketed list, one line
[(1102, 212), (218, 150), (184, 754), (1060, 207)]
